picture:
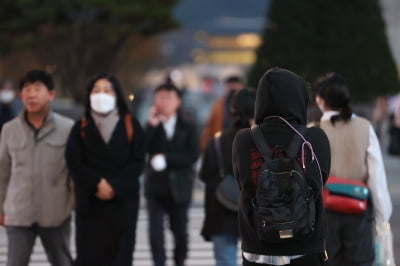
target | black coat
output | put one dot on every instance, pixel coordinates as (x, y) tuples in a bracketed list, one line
[(218, 219), (280, 93), (100, 224), (181, 153)]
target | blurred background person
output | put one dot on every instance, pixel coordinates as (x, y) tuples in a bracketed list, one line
[(355, 155), (105, 155), (220, 117), (379, 114), (36, 194), (393, 147), (396, 114), (220, 224), (10, 103), (172, 145)]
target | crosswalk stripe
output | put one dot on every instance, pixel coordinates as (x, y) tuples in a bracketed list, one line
[(200, 251)]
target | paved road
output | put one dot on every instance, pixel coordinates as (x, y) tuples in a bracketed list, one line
[(200, 251)]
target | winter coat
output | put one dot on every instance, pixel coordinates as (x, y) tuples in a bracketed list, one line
[(100, 224), (218, 219), (280, 93), (181, 153), (34, 181)]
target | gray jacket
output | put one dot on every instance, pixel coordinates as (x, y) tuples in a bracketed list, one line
[(34, 183)]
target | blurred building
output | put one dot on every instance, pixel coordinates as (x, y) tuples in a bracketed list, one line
[(216, 32)]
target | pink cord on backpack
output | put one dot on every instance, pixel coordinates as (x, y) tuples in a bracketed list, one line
[(306, 142)]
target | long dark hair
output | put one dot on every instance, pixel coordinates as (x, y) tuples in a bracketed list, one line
[(242, 108), (332, 88), (121, 104)]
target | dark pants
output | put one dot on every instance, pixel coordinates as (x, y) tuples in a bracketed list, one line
[(308, 260), (350, 239), (177, 213), (125, 254), (55, 240), (98, 240)]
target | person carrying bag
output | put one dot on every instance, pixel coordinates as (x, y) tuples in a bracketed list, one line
[(221, 201), (355, 157)]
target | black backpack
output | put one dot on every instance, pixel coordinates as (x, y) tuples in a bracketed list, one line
[(284, 203)]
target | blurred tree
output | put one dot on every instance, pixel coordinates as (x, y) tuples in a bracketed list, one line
[(80, 38), (317, 36)]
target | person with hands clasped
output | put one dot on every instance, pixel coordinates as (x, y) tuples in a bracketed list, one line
[(173, 148), (105, 155)]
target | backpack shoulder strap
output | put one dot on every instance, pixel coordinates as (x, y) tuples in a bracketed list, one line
[(130, 131), (261, 143), (296, 143), (84, 124)]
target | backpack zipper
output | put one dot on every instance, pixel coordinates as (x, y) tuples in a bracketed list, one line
[(282, 173)]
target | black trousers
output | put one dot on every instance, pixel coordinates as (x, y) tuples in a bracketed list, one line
[(157, 208), (350, 239), (97, 241), (125, 254), (308, 260)]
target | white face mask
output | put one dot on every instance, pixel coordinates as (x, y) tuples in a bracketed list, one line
[(7, 96), (102, 103)]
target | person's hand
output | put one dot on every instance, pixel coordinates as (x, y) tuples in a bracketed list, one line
[(154, 118), (2, 219), (104, 190)]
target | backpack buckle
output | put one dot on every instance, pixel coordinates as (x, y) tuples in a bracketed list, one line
[(285, 233)]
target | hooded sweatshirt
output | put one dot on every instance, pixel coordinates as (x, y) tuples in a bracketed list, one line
[(280, 93)]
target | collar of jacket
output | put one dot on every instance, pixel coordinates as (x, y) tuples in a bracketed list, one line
[(46, 129)]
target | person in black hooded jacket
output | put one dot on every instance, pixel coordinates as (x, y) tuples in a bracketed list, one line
[(280, 93)]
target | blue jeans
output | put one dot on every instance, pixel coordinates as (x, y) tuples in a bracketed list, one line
[(225, 249)]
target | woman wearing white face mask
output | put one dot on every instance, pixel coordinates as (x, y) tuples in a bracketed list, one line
[(105, 155)]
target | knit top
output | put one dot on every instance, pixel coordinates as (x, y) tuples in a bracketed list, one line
[(348, 143)]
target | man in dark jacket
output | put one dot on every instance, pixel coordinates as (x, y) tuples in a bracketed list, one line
[(280, 93), (173, 148)]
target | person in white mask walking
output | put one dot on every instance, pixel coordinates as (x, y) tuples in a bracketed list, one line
[(105, 155)]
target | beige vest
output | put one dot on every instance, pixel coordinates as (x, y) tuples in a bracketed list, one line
[(349, 143)]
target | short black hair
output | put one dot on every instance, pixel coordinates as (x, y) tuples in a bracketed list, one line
[(37, 75), (168, 87), (232, 79)]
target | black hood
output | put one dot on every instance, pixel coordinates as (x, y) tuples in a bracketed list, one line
[(283, 93)]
